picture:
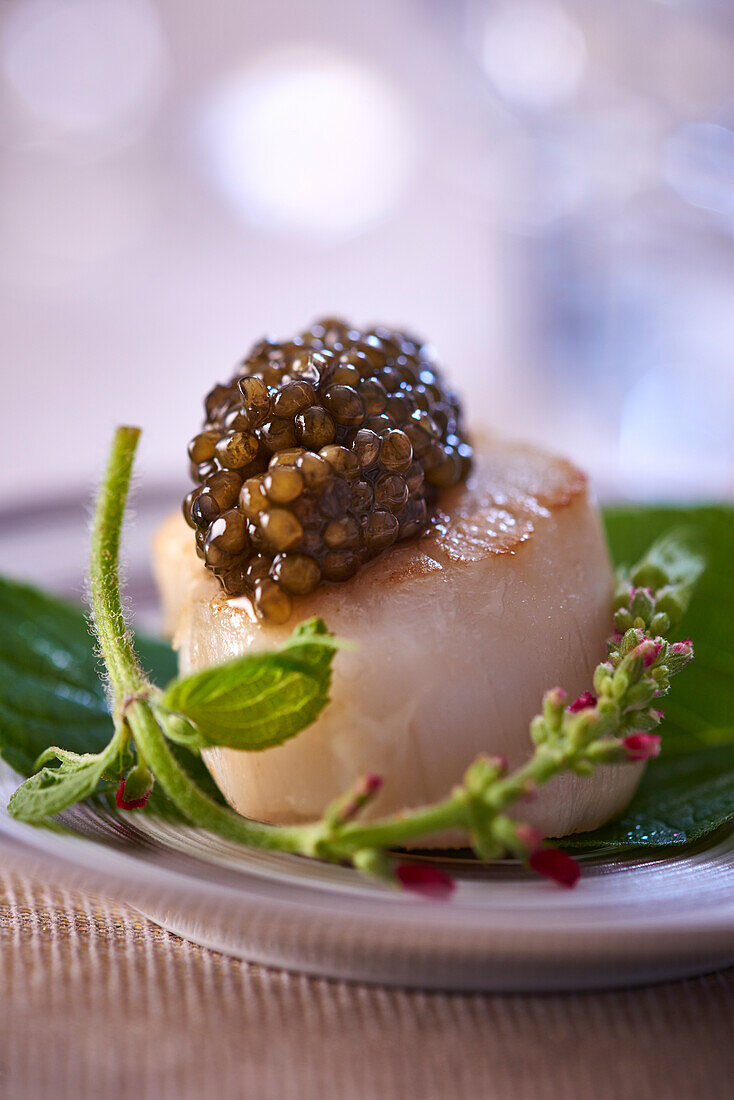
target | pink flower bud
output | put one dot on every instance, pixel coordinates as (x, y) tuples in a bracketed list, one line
[(529, 837), (426, 881), (554, 864), (556, 697), (362, 792), (682, 649), (649, 651), (130, 804), (588, 699), (641, 746)]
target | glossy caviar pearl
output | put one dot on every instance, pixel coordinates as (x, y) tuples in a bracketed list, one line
[(224, 487), (256, 399), (344, 404), (340, 565), (253, 498), (283, 484), (391, 492), (287, 458), (315, 428), (342, 533), (380, 531), (203, 446), (229, 532), (298, 574), (204, 509), (281, 529), (236, 449), (374, 397), (366, 447), (272, 602), (187, 505), (316, 471), (345, 375), (278, 434), (396, 453), (342, 460), (293, 398), (362, 495)]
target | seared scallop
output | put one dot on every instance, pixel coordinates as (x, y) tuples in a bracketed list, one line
[(458, 632)]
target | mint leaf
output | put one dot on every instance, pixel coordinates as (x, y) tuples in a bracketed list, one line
[(679, 800), (261, 699), (51, 691), (52, 790)]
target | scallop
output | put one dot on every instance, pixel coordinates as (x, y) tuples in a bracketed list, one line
[(458, 634)]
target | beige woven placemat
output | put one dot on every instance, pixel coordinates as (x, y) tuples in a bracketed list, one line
[(97, 1002)]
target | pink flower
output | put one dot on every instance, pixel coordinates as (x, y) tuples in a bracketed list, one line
[(426, 881), (682, 649), (555, 865), (132, 803), (588, 699), (641, 746), (649, 651)]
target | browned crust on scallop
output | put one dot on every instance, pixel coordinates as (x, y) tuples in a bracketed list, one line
[(513, 487)]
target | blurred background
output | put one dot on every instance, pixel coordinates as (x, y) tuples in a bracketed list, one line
[(544, 188)]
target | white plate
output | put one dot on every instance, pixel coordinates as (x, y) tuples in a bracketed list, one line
[(631, 919)]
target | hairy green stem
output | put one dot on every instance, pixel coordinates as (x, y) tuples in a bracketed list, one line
[(196, 804), (125, 674)]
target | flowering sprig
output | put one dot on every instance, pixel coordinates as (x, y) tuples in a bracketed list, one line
[(610, 724)]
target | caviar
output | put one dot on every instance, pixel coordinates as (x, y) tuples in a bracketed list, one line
[(319, 454)]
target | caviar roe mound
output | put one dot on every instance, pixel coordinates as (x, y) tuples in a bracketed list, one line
[(317, 456)]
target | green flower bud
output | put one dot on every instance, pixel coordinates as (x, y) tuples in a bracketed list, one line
[(539, 731), (673, 604), (603, 679), (647, 575), (623, 619), (620, 683), (660, 623), (641, 695), (554, 703), (642, 605)]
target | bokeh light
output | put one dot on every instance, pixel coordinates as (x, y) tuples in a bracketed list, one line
[(85, 66), (533, 51), (306, 142)]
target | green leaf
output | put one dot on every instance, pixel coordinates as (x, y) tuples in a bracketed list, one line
[(690, 790), (52, 790), (261, 699), (703, 698), (51, 691), (678, 801)]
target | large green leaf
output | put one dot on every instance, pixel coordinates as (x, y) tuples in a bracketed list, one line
[(703, 698), (51, 691), (679, 800), (690, 791)]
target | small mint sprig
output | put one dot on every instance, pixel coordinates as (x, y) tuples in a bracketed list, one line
[(264, 698)]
